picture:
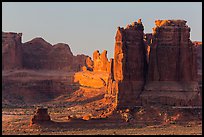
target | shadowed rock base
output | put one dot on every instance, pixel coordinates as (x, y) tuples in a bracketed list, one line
[(40, 116)]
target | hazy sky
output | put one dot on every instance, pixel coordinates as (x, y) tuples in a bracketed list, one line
[(88, 26)]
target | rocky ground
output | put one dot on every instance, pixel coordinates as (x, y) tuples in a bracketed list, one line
[(88, 103), (149, 121), (16, 121)]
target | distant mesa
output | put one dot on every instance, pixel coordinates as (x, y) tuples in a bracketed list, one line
[(38, 54)]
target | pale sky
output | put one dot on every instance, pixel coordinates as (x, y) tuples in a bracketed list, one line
[(90, 26)]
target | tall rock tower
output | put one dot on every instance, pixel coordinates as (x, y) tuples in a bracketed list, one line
[(172, 72), (129, 64)]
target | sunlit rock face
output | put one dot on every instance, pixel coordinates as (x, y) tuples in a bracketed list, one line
[(100, 61), (91, 79), (172, 71), (11, 51), (129, 65), (89, 64)]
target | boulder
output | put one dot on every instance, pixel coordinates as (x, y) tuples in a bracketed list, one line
[(41, 115)]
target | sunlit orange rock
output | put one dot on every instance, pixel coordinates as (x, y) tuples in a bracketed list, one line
[(89, 63), (87, 117), (100, 61), (91, 79), (84, 68), (148, 42)]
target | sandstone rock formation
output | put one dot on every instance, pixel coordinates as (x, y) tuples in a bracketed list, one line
[(129, 65), (95, 73), (154, 68), (89, 64), (61, 57), (38, 54), (91, 79), (100, 61), (78, 62), (158, 68), (41, 115), (11, 51), (198, 46), (172, 72)]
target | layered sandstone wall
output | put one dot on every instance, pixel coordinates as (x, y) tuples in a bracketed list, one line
[(172, 53)]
